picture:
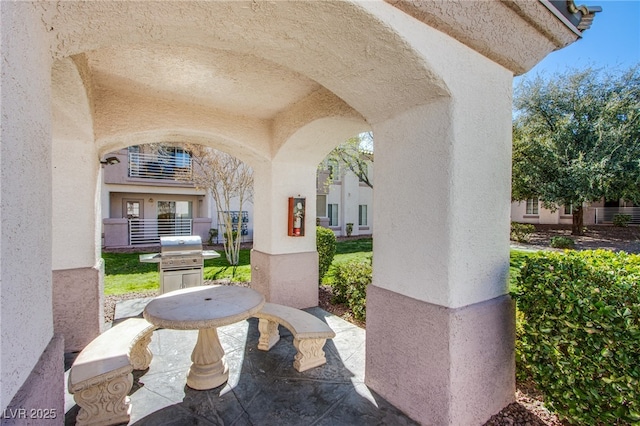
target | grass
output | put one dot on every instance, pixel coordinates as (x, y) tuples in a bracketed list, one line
[(124, 273)]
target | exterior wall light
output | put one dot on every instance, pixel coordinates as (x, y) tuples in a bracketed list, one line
[(110, 161)]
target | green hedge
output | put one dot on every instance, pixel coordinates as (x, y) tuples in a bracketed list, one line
[(621, 220), (350, 281), (562, 243), (579, 333), (521, 232), (326, 245)]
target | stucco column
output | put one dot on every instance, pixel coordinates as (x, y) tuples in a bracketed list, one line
[(31, 371), (284, 268), (440, 327), (78, 306)]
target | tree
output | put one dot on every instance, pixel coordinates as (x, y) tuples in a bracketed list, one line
[(355, 154), (226, 178), (576, 139)]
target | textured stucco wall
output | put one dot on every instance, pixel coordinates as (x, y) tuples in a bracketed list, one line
[(75, 172), (273, 185), (78, 305), (312, 44), (455, 154), (43, 389), (25, 195), (515, 34), (451, 367)]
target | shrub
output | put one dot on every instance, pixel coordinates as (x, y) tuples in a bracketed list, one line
[(349, 229), (579, 333), (326, 246), (621, 220), (213, 235), (521, 231), (563, 243), (350, 281)]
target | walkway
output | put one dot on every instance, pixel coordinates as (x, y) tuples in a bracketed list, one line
[(263, 387)]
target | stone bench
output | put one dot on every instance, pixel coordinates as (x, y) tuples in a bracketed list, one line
[(309, 333), (100, 377)]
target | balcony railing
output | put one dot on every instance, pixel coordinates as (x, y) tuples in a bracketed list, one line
[(149, 231), (606, 214), (154, 166)]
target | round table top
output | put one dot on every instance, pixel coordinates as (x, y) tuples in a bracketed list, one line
[(203, 307)]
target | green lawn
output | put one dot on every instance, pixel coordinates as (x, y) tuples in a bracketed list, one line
[(124, 273), (353, 249)]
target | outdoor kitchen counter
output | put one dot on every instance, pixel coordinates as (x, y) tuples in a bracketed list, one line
[(204, 308), (155, 257)]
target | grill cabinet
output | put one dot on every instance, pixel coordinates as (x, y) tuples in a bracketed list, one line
[(181, 262)]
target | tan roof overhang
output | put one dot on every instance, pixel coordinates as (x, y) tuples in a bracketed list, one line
[(517, 34)]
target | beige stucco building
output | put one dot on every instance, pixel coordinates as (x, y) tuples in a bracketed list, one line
[(597, 213), (278, 85)]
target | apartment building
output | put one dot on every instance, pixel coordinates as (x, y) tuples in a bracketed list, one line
[(343, 202), (148, 192), (596, 213)]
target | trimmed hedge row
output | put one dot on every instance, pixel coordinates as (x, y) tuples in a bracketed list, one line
[(579, 333)]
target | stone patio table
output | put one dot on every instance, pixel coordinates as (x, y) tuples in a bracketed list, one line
[(204, 308)]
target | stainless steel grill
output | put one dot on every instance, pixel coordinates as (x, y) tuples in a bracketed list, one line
[(181, 262)]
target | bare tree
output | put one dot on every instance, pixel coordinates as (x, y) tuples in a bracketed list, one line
[(226, 178)]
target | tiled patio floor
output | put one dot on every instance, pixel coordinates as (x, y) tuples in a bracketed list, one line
[(263, 387)]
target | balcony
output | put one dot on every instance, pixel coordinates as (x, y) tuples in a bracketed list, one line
[(606, 214), (176, 166), (149, 231)]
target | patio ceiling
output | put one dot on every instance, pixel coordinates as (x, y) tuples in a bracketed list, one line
[(237, 83)]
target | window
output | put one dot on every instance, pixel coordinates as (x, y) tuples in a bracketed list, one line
[(333, 214), (362, 215), (568, 210), (321, 206), (174, 210), (132, 208), (532, 206)]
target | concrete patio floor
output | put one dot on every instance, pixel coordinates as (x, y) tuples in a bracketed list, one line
[(263, 387)]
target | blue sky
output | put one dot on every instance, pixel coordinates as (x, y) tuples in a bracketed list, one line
[(612, 41)]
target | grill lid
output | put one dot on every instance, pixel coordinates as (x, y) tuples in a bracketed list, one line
[(179, 245)]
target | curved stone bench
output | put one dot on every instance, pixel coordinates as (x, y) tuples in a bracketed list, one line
[(100, 377), (309, 333)]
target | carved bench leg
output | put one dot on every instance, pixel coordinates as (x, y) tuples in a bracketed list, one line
[(269, 334), (140, 355), (309, 355), (103, 399)]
